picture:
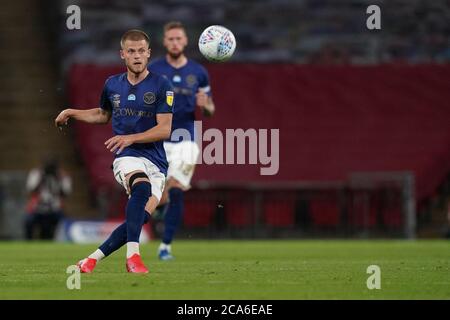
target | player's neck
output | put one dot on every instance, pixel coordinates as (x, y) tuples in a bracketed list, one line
[(135, 78), (177, 62)]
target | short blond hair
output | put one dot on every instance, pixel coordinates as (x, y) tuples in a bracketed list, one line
[(174, 25), (134, 35)]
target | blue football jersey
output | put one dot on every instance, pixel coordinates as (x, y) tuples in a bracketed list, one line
[(186, 82), (134, 109)]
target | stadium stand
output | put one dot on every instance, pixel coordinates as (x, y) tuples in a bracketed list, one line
[(302, 31), (364, 101), (30, 96)]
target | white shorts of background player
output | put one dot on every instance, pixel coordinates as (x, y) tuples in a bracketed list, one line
[(182, 157)]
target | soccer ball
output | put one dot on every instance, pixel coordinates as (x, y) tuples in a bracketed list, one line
[(217, 43)]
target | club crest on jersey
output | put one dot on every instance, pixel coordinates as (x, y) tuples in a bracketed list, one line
[(116, 100), (191, 80), (169, 98), (149, 97), (131, 97)]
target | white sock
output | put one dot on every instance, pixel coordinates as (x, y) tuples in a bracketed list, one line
[(132, 248), (97, 255), (164, 246)]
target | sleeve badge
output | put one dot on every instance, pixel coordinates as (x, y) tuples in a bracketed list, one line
[(169, 98)]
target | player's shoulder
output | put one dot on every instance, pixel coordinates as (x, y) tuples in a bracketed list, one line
[(114, 79), (196, 66), (160, 80), (157, 63)]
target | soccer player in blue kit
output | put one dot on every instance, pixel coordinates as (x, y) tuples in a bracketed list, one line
[(140, 105), (192, 89)]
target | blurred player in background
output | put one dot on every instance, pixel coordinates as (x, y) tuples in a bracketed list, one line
[(140, 105), (191, 86), (47, 186)]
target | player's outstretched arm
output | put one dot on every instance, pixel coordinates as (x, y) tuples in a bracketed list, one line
[(159, 132), (94, 116)]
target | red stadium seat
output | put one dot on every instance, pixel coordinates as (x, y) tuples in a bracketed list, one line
[(324, 212), (278, 210), (199, 209), (239, 209)]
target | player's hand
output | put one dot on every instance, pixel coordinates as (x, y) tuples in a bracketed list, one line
[(202, 99), (62, 118), (118, 143)]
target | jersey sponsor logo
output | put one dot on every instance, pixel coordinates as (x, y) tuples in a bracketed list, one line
[(149, 97), (116, 100), (169, 98), (191, 80), (128, 112), (183, 91), (131, 97)]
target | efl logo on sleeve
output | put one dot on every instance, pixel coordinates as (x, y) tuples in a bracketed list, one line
[(169, 98)]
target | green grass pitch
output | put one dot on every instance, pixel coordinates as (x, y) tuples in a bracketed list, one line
[(276, 269)]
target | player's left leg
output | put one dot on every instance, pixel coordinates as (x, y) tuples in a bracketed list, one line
[(115, 241)]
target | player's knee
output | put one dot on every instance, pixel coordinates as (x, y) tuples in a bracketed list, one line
[(140, 186), (141, 189), (136, 178)]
